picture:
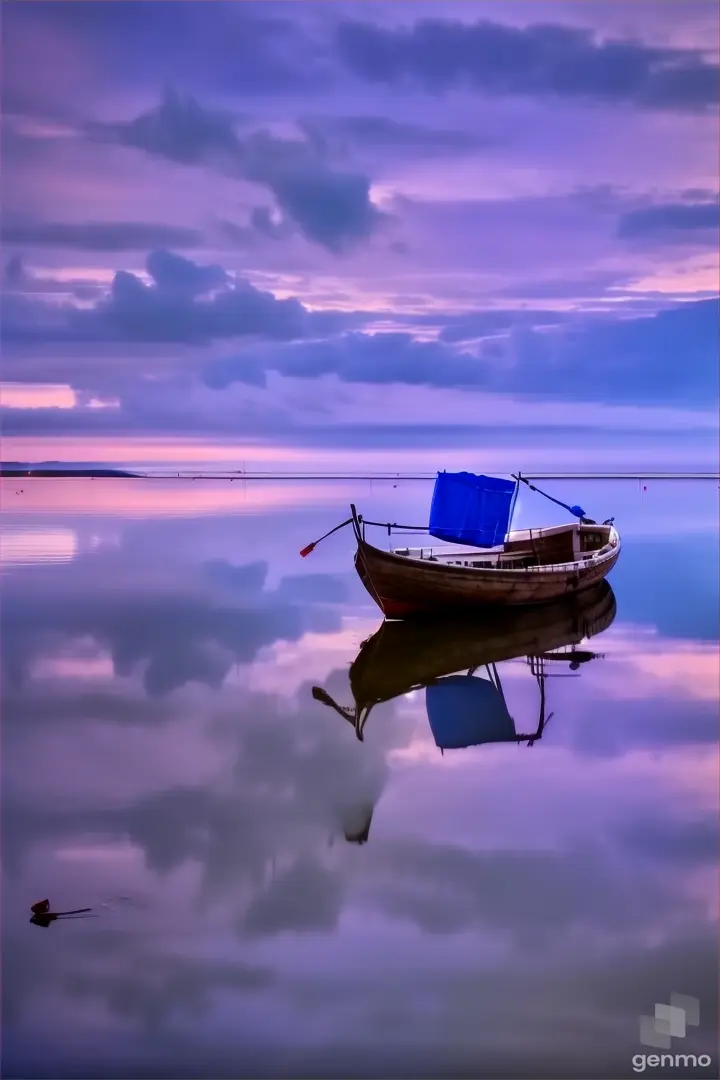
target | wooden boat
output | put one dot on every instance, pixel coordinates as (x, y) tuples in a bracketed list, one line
[(423, 652), (492, 567), (532, 566)]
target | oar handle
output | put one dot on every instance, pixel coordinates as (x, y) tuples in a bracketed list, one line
[(306, 550)]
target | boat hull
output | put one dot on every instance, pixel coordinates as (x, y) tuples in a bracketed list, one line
[(404, 655), (403, 587)]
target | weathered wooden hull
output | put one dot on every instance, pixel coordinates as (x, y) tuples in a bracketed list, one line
[(404, 655), (403, 586)]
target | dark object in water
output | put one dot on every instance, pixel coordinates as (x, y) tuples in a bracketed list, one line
[(43, 916)]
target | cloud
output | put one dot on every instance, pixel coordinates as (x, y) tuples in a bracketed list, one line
[(241, 50), (185, 302), (179, 128), (307, 897), (372, 358), (173, 273), (670, 357), (173, 639), (382, 132), (667, 721), (530, 354), (23, 282), (529, 894), (688, 842), (100, 235), (541, 60), (140, 981), (14, 273), (290, 776), (533, 353), (673, 221), (602, 359), (329, 206), (479, 324)]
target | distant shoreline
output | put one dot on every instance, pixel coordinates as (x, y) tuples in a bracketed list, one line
[(105, 474)]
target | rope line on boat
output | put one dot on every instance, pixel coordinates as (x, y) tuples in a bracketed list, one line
[(363, 521), (576, 511), (394, 525)]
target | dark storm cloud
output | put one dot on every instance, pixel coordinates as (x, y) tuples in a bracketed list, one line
[(329, 206), (668, 221), (540, 60), (100, 235)]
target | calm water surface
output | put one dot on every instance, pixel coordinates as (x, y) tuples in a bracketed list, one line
[(274, 897)]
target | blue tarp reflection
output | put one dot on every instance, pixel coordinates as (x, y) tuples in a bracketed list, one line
[(465, 710)]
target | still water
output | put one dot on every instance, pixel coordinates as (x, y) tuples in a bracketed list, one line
[(274, 897)]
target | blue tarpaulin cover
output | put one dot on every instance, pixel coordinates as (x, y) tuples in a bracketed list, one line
[(470, 509), (464, 710)]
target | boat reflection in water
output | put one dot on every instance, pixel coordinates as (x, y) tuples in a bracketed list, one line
[(454, 658)]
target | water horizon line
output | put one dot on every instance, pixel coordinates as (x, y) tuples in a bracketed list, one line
[(277, 475), (110, 473)]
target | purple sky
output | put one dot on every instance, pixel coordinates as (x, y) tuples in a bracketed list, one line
[(252, 230)]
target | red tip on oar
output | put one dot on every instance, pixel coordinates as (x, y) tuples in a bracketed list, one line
[(306, 550)]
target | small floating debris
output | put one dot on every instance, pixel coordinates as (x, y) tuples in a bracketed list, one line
[(43, 916)]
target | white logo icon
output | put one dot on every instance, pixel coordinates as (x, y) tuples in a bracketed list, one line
[(670, 1021)]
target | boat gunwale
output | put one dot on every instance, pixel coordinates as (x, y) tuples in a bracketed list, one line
[(432, 566)]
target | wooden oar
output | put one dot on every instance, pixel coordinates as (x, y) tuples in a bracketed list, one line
[(311, 547)]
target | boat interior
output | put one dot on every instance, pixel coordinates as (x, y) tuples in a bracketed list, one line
[(556, 546)]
